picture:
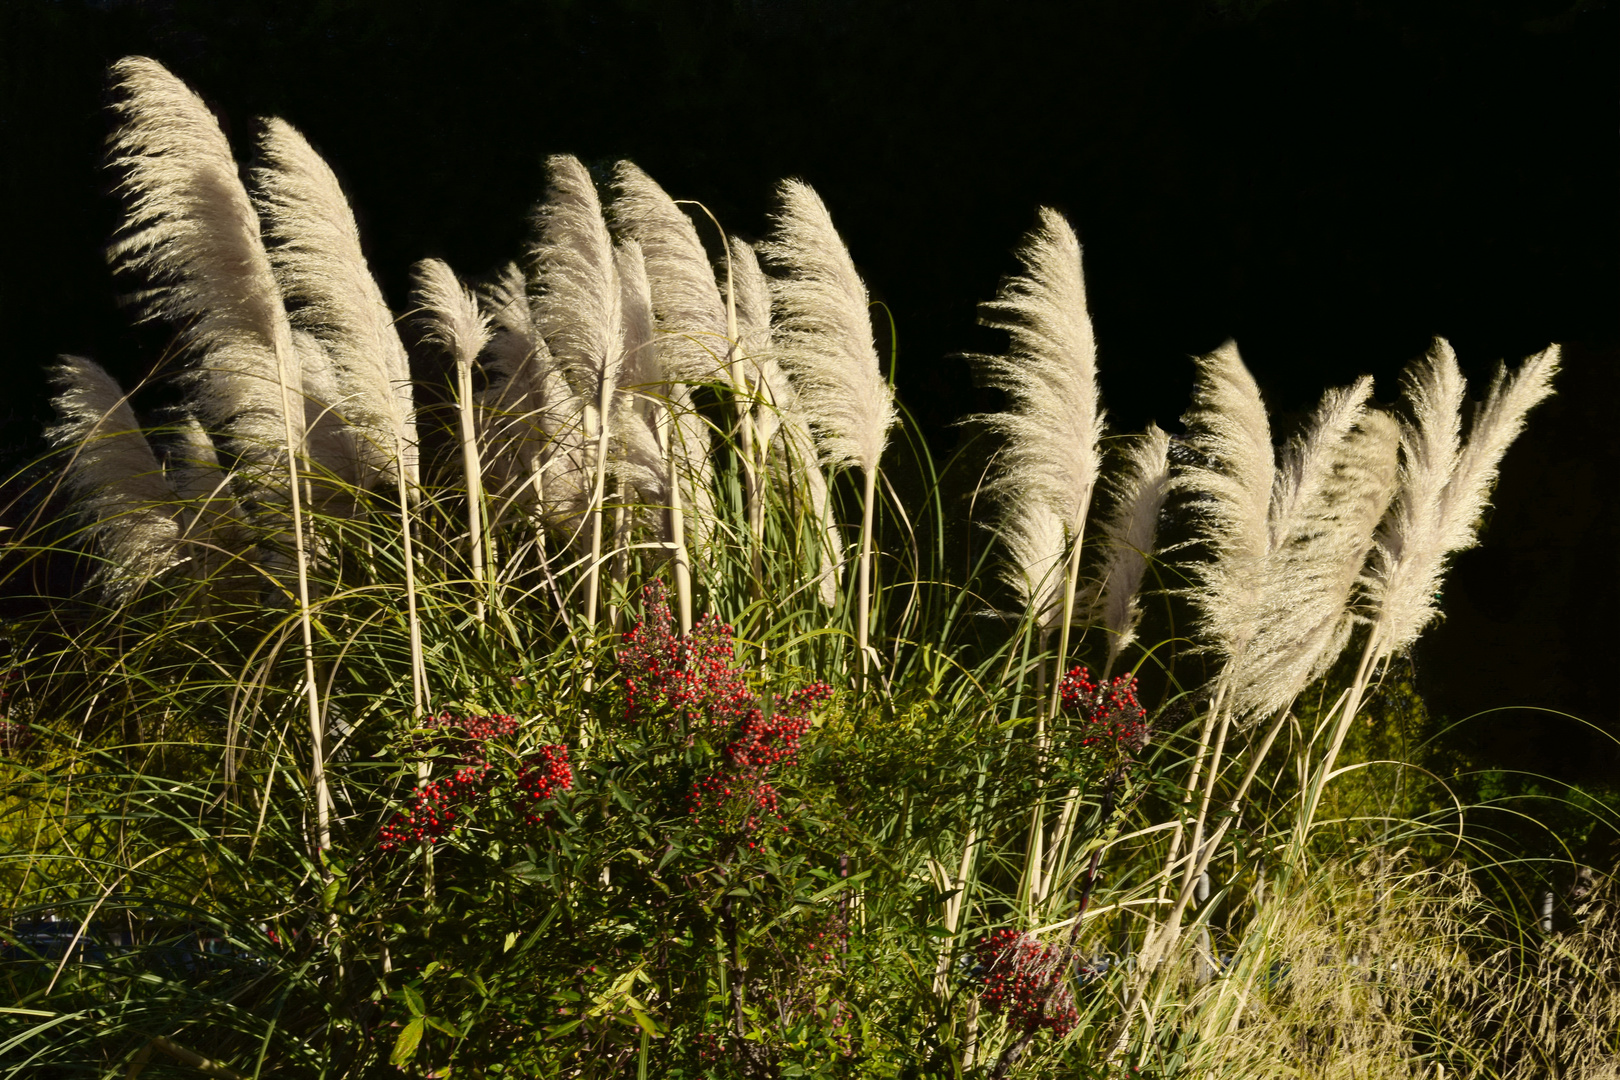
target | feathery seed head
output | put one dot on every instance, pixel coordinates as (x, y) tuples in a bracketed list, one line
[(1444, 486), (191, 234), (577, 310), (1055, 421), (685, 298), (322, 271), (824, 333), (1232, 481), (1130, 530), (114, 477), (450, 312)]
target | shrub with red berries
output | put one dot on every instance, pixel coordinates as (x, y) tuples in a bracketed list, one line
[(1112, 719), (1023, 979), (438, 806), (692, 681)]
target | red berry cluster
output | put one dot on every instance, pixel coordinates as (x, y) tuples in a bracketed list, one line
[(437, 805), (693, 678), (1117, 718), (690, 676), (758, 742), (542, 775), (473, 731), (432, 815), (1024, 979), (825, 939)]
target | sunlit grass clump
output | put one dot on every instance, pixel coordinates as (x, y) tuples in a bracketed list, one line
[(588, 672)]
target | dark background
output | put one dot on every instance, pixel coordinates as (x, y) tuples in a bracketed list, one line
[(1328, 182)]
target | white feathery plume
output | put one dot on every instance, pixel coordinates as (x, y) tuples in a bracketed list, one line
[(1320, 552), (690, 313), (1055, 422), (1409, 559), (505, 303), (1228, 428), (315, 248), (452, 319), (114, 477), (192, 234), (530, 418), (1129, 531), (690, 446), (329, 442), (751, 300), (450, 313), (643, 369), (1443, 491), (1495, 426), (751, 291), (1309, 458), (578, 313), (640, 460), (1444, 487), (823, 333)]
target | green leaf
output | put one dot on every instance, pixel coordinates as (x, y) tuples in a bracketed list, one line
[(648, 1024), (413, 1000), (511, 940), (405, 1046), (842, 883)]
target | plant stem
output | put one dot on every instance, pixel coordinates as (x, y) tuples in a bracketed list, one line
[(1071, 579), (863, 613), (317, 768), (475, 484), (593, 570)]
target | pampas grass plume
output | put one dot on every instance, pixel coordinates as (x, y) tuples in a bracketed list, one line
[(690, 314), (1444, 486), (1129, 531), (315, 249), (191, 233), (115, 478), (823, 333)]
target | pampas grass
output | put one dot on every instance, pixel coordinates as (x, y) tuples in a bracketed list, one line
[(686, 302), (578, 312), (114, 478), (214, 530), (912, 827), (1055, 422), (779, 423), (452, 319), (530, 418), (1047, 469), (1443, 490), (823, 336), (191, 235), (191, 230), (1444, 486)]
